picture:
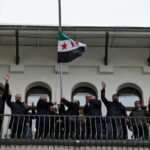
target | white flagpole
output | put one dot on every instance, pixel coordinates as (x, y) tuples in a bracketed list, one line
[(61, 64)]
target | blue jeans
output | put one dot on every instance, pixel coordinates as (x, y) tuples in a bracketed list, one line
[(114, 130), (28, 133)]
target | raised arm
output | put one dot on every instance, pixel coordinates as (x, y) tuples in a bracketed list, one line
[(67, 103), (6, 89), (8, 101), (105, 101)]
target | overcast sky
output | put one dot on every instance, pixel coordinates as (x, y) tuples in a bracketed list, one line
[(76, 12)]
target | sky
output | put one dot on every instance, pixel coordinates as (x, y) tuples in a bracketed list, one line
[(76, 12)]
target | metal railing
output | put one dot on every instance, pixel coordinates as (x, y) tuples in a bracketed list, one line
[(57, 129)]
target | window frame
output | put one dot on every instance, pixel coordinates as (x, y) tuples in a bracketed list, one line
[(130, 90), (83, 89), (38, 88)]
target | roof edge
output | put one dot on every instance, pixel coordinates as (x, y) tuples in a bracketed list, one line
[(75, 28)]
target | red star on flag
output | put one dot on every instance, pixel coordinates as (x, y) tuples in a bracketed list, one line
[(64, 46)]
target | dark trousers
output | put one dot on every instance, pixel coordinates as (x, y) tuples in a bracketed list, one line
[(141, 131), (17, 130), (43, 126), (71, 128), (1, 123)]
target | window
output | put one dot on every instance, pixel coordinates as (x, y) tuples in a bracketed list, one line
[(80, 93), (34, 93), (128, 95)]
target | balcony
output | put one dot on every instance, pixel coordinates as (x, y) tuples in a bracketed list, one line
[(80, 132)]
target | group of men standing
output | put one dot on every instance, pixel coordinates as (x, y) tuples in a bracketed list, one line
[(92, 125)]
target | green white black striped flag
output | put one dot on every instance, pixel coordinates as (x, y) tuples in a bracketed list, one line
[(69, 49)]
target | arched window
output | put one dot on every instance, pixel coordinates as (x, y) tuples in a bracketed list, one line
[(33, 94), (128, 94), (82, 90)]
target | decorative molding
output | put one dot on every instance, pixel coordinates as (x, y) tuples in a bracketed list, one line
[(65, 69), (106, 69), (16, 68), (146, 69)]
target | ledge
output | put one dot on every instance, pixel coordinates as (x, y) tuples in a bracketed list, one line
[(106, 69), (118, 143), (146, 70), (65, 69), (16, 68)]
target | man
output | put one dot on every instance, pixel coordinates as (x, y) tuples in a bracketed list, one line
[(28, 120), (139, 121), (115, 112), (44, 121), (17, 120), (72, 113), (3, 97), (92, 110)]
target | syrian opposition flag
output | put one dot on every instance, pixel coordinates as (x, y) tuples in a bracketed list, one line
[(69, 49)]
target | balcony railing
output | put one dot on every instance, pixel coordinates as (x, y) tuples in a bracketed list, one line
[(74, 130)]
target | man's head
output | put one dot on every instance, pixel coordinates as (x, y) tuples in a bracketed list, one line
[(43, 98), (18, 97), (137, 104), (115, 98), (92, 97)]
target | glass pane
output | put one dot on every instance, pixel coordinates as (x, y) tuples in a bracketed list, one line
[(128, 99), (81, 97)]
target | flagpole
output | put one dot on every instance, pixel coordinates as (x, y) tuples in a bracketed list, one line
[(61, 64)]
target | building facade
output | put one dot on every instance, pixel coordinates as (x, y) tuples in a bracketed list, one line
[(119, 56)]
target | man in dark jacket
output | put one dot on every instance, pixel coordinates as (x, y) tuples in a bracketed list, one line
[(115, 111), (72, 114), (92, 111), (3, 97), (17, 120), (44, 120), (139, 121)]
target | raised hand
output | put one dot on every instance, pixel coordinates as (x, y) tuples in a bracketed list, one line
[(7, 77), (103, 85)]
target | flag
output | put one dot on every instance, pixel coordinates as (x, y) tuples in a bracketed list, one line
[(69, 49)]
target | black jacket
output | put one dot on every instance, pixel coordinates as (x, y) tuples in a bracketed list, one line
[(73, 107), (113, 108), (19, 112), (62, 110), (149, 108), (16, 107), (93, 108), (3, 98), (30, 116), (43, 108)]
